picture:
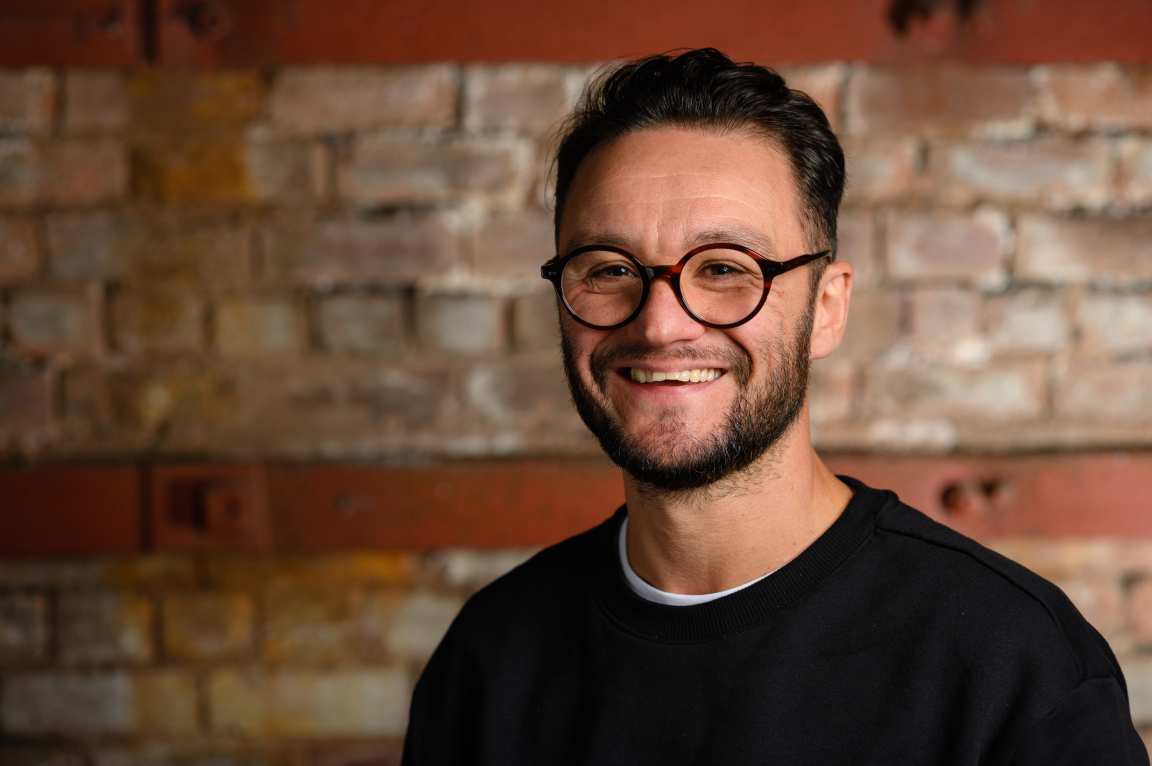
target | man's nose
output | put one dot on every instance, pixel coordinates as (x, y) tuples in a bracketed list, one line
[(663, 320)]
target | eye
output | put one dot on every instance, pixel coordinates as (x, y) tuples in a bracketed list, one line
[(617, 270)]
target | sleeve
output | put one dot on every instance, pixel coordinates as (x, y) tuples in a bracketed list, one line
[(1091, 726), (439, 723)]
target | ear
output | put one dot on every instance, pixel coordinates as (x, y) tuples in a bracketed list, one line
[(831, 310)]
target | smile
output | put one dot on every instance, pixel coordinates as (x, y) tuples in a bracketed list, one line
[(683, 376)]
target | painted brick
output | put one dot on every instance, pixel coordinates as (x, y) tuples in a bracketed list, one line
[(535, 325), (529, 98), (384, 170), (1084, 251), (460, 324), (1004, 393), (154, 702), (528, 394), (831, 390), (824, 83), (104, 626), (873, 323), (399, 249), (938, 246), (62, 171), (1120, 391), (344, 99), (1140, 611), (258, 326), (1025, 321), (1135, 170), (130, 248), (312, 624), (27, 99), (363, 324), (942, 97), (1056, 172), (419, 624), (365, 702), (207, 626), (160, 320), (23, 628), (19, 250), (881, 169), (26, 401), (942, 318), (1102, 96), (856, 244), (515, 246), (55, 319), (188, 100), (95, 99), (286, 571), (1115, 323)]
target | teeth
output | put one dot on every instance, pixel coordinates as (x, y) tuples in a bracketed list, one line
[(688, 376)]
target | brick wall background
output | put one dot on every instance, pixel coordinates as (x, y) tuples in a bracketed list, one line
[(313, 263)]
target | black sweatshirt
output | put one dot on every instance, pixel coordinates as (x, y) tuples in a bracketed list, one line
[(890, 640)]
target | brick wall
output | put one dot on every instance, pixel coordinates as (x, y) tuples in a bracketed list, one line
[(340, 264)]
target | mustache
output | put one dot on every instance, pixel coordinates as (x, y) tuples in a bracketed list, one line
[(601, 362)]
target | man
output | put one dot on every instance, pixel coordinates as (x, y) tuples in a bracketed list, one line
[(745, 606)]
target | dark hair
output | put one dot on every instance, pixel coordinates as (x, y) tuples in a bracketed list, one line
[(706, 89)]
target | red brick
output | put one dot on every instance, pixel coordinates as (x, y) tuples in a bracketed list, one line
[(130, 248), (1084, 251), (104, 626), (383, 170), (1056, 172), (881, 169), (873, 323), (823, 82), (185, 100), (523, 97), (927, 246), (1005, 393), (27, 100), (1115, 323), (19, 250), (344, 99), (61, 171), (1026, 321), (938, 97), (856, 244), (528, 395), (515, 245), (1140, 610), (56, 319), (1099, 96), (258, 326), (313, 625), (207, 626), (396, 250), (535, 325), (461, 324), (831, 390), (163, 320), (1120, 391), (26, 401), (1135, 171), (363, 324), (419, 623), (23, 628), (95, 99)]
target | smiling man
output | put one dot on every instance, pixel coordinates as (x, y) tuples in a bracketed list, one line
[(745, 606)]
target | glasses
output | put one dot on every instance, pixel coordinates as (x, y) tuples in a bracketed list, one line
[(720, 285)]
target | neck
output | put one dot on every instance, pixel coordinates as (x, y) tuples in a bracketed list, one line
[(724, 535)]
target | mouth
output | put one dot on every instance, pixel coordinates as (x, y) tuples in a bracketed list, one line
[(674, 377)]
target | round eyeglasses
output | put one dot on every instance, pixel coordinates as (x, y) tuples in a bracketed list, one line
[(720, 285)]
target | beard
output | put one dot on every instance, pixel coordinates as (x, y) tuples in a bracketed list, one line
[(661, 459)]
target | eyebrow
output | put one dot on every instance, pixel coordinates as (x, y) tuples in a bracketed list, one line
[(737, 236)]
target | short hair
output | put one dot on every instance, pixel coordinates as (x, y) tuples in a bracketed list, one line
[(706, 89)]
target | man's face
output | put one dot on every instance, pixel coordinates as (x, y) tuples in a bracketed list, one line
[(659, 194)]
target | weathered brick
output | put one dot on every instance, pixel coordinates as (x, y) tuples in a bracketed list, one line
[(1121, 391), (535, 325), (941, 97), (529, 394), (61, 171), (473, 569), (289, 572), (207, 626), (831, 390), (856, 244), (460, 324), (345, 754), (189, 100), (19, 250), (1084, 251), (104, 626), (55, 319), (873, 323), (525, 97), (366, 702), (1135, 171), (945, 321), (1138, 675), (1057, 172), (515, 245), (27, 99), (154, 702), (282, 170), (344, 99), (1010, 392), (1099, 600), (132, 248), (26, 400), (419, 623), (1140, 610), (881, 169), (399, 249), (1115, 323), (258, 326), (312, 624), (823, 82), (939, 246), (384, 170), (1100, 96), (41, 755), (23, 628), (95, 99), (164, 320), (1026, 321), (363, 324), (1074, 558), (159, 571)]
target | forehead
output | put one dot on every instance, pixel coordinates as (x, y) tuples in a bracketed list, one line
[(664, 189)]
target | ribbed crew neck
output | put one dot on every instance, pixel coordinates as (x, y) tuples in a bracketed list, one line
[(745, 607)]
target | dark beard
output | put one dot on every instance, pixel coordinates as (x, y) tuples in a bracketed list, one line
[(758, 419)]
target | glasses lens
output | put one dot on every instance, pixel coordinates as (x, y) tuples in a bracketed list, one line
[(601, 287), (722, 286)]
